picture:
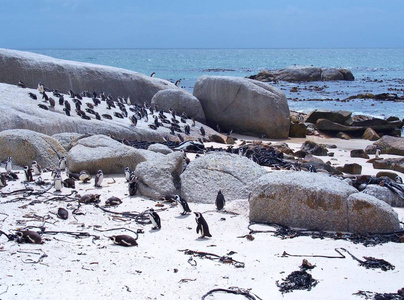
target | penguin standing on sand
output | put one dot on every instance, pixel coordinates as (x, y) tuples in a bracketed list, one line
[(9, 165), (378, 152), (57, 182), (220, 201), (202, 225), (184, 204), (84, 176), (123, 240), (132, 186), (62, 163), (155, 219), (28, 174), (127, 174), (98, 178), (36, 168)]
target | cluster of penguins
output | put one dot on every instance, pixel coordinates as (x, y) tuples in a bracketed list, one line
[(155, 117), (28, 236)]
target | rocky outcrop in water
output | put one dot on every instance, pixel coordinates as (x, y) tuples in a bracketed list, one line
[(244, 106), (304, 74)]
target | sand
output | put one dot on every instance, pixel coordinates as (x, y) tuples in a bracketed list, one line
[(88, 268)]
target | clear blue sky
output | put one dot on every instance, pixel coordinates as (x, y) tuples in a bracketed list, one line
[(28, 24)]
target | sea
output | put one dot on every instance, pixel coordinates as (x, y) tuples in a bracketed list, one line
[(376, 71)]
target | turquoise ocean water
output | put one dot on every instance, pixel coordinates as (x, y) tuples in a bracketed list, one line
[(375, 71)]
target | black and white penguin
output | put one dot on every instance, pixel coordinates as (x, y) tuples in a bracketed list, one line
[(21, 84), (220, 201), (127, 174), (132, 186), (57, 182), (28, 236), (32, 95), (398, 179), (378, 152), (98, 178), (62, 163), (202, 130), (3, 180), (113, 201), (312, 169), (62, 213), (202, 225), (184, 204), (36, 168), (28, 174), (84, 176), (152, 74), (177, 83), (155, 219), (123, 240), (9, 165), (187, 129), (69, 183)]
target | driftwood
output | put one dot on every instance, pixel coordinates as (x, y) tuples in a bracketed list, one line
[(234, 290), (212, 256)]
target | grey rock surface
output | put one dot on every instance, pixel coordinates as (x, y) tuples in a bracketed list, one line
[(159, 148), (390, 145), (63, 75), (301, 199), (246, 106), (337, 116), (384, 194), (102, 152), (25, 146), (181, 101), (160, 177), (304, 73), (205, 176), (367, 214), (68, 139), (395, 164)]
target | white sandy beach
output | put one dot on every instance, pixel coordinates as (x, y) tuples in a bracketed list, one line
[(87, 268)]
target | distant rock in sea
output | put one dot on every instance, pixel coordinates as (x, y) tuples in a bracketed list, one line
[(303, 74)]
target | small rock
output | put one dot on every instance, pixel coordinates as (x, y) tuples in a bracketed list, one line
[(351, 168), (359, 153)]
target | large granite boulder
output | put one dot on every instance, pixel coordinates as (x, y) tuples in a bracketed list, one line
[(246, 106), (316, 201), (101, 152), (68, 139), (181, 101), (336, 116), (367, 214), (304, 74), (231, 173), (161, 176), (24, 146), (395, 164), (384, 194), (160, 148), (390, 145), (63, 75), (24, 113)]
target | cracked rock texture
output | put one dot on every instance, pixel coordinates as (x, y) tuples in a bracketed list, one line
[(205, 176)]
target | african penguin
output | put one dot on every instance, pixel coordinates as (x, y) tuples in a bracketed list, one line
[(84, 176), (9, 165), (62, 163), (36, 168), (184, 204), (127, 174), (220, 201), (28, 174), (3, 181), (312, 169), (28, 236), (57, 182), (132, 186), (378, 152), (202, 226), (155, 219), (123, 240), (98, 178), (113, 201)]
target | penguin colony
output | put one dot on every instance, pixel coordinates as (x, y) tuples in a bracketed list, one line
[(86, 106), (33, 173)]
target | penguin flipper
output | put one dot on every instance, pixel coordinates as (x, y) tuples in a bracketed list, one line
[(198, 228)]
